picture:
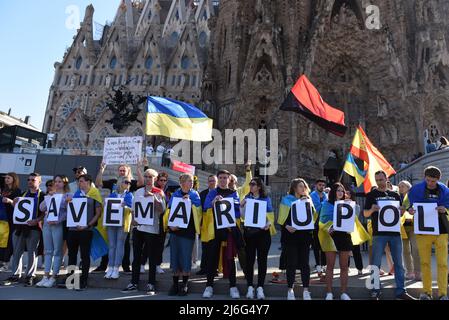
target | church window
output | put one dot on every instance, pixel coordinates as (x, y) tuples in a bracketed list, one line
[(78, 63), (185, 62), (113, 63), (149, 62)]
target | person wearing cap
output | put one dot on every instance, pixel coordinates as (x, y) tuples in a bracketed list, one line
[(79, 171)]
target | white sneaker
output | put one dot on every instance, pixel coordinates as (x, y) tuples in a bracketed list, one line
[(291, 295), (234, 293), (159, 270), (115, 274), (306, 295), (250, 293), (208, 293), (42, 283), (329, 296), (109, 273), (319, 269), (142, 268), (50, 283), (260, 294), (345, 296)]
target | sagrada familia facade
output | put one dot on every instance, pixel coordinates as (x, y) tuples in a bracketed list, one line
[(384, 62)]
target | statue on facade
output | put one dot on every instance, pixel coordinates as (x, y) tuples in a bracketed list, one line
[(125, 108)]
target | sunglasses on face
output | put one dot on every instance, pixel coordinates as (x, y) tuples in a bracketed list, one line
[(253, 184), (127, 182)]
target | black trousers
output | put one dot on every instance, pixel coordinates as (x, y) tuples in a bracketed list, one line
[(257, 245), (357, 255), (320, 256), (213, 256), (297, 256), (148, 242), (80, 240), (204, 248), (126, 256)]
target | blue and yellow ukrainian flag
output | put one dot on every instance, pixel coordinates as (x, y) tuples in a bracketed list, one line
[(353, 170), (176, 119)]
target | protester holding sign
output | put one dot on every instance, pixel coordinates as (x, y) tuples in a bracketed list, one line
[(183, 219), (147, 236), (9, 192), (221, 221), (333, 241), (257, 239), (296, 243), (27, 232), (55, 208), (117, 234), (80, 238), (318, 197), (381, 238), (124, 173), (431, 191)]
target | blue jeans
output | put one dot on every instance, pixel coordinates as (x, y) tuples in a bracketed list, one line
[(116, 239), (53, 242), (395, 243)]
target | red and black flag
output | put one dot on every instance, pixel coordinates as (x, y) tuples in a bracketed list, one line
[(305, 99)]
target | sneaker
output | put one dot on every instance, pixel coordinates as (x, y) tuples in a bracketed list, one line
[(291, 295), (42, 283), (345, 296), (360, 272), (443, 298), (234, 293), (174, 290), (405, 296), (98, 269), (250, 293), (319, 269), (184, 290), (375, 295), (130, 288), (29, 281), (208, 293), (127, 270), (306, 295), (159, 270), (142, 269), (115, 274), (11, 280), (425, 296), (329, 296), (151, 290), (50, 283), (109, 273), (260, 294)]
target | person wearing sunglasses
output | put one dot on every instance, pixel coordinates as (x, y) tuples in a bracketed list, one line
[(118, 235), (145, 237), (28, 236), (183, 239), (124, 172), (258, 241)]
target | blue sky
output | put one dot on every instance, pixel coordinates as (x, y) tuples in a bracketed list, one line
[(34, 35)]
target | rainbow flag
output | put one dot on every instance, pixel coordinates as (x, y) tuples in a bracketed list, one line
[(179, 120)]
